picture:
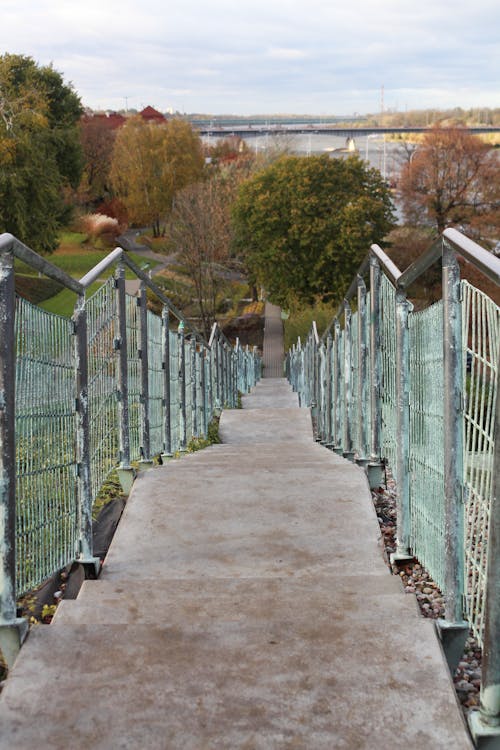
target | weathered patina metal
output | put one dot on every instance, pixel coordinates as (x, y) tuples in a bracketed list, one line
[(433, 381)]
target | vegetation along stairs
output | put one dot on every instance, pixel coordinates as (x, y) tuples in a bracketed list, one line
[(244, 603)]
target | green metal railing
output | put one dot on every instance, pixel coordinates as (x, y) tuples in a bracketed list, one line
[(417, 391), (78, 398)]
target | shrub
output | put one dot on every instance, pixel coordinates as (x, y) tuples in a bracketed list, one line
[(95, 225)]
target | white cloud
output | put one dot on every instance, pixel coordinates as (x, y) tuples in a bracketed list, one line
[(267, 55), (282, 53)]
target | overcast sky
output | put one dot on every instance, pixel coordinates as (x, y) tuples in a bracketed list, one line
[(264, 56)]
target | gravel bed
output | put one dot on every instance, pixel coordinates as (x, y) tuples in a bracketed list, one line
[(417, 581)]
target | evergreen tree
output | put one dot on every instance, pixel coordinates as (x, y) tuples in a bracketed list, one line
[(40, 153)]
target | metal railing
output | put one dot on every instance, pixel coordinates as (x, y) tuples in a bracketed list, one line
[(418, 391), (78, 398)]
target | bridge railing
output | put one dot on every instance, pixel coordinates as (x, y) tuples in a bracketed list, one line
[(80, 397), (418, 391)]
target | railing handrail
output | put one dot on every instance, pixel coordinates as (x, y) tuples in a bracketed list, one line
[(9, 243), (130, 388), (473, 253), (427, 411)]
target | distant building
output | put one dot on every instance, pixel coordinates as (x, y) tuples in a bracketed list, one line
[(152, 115), (114, 120)]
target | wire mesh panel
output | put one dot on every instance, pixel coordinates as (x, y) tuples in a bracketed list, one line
[(174, 391), (481, 341), (46, 512), (339, 406), (426, 459), (134, 376), (103, 411), (189, 390), (200, 364), (388, 375), (155, 382), (355, 407), (367, 412)]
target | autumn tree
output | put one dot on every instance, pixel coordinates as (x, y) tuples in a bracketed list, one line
[(40, 153), (97, 138), (151, 162), (200, 227), (452, 179), (303, 225)]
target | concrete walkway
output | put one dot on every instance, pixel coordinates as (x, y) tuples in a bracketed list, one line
[(272, 355), (244, 603)]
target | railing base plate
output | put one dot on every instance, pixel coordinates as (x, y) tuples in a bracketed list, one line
[(92, 567), (400, 558), (362, 462), (485, 737), (375, 473), (126, 476), (452, 636)]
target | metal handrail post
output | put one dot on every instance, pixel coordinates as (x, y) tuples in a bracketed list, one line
[(375, 466), (453, 629), (224, 383), (232, 372), (204, 390), (12, 629), (485, 723), (209, 370), (194, 389), (348, 449), (144, 357), (125, 470), (403, 520), (329, 391), (167, 416), (321, 388), (338, 390), (83, 479), (247, 376), (362, 354), (182, 387)]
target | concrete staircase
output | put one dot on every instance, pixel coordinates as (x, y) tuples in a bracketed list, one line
[(244, 603)]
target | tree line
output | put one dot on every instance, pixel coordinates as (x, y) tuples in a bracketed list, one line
[(297, 226)]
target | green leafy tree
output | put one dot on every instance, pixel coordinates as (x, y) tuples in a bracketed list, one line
[(40, 154), (304, 225), (150, 163)]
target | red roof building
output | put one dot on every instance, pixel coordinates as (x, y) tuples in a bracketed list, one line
[(152, 115)]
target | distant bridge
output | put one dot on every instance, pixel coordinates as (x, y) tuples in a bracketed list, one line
[(250, 130)]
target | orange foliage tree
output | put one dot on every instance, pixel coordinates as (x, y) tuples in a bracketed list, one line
[(452, 179)]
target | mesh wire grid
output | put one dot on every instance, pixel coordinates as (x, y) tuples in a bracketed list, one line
[(388, 374), (481, 348), (46, 506), (426, 456)]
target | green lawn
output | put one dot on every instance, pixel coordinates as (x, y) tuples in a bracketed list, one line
[(63, 303), (76, 257)]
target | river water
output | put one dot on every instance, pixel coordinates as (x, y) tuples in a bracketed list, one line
[(387, 156)]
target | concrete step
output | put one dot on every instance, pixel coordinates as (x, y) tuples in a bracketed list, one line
[(207, 603), (264, 514), (274, 393), (289, 682), (244, 603), (263, 425)]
